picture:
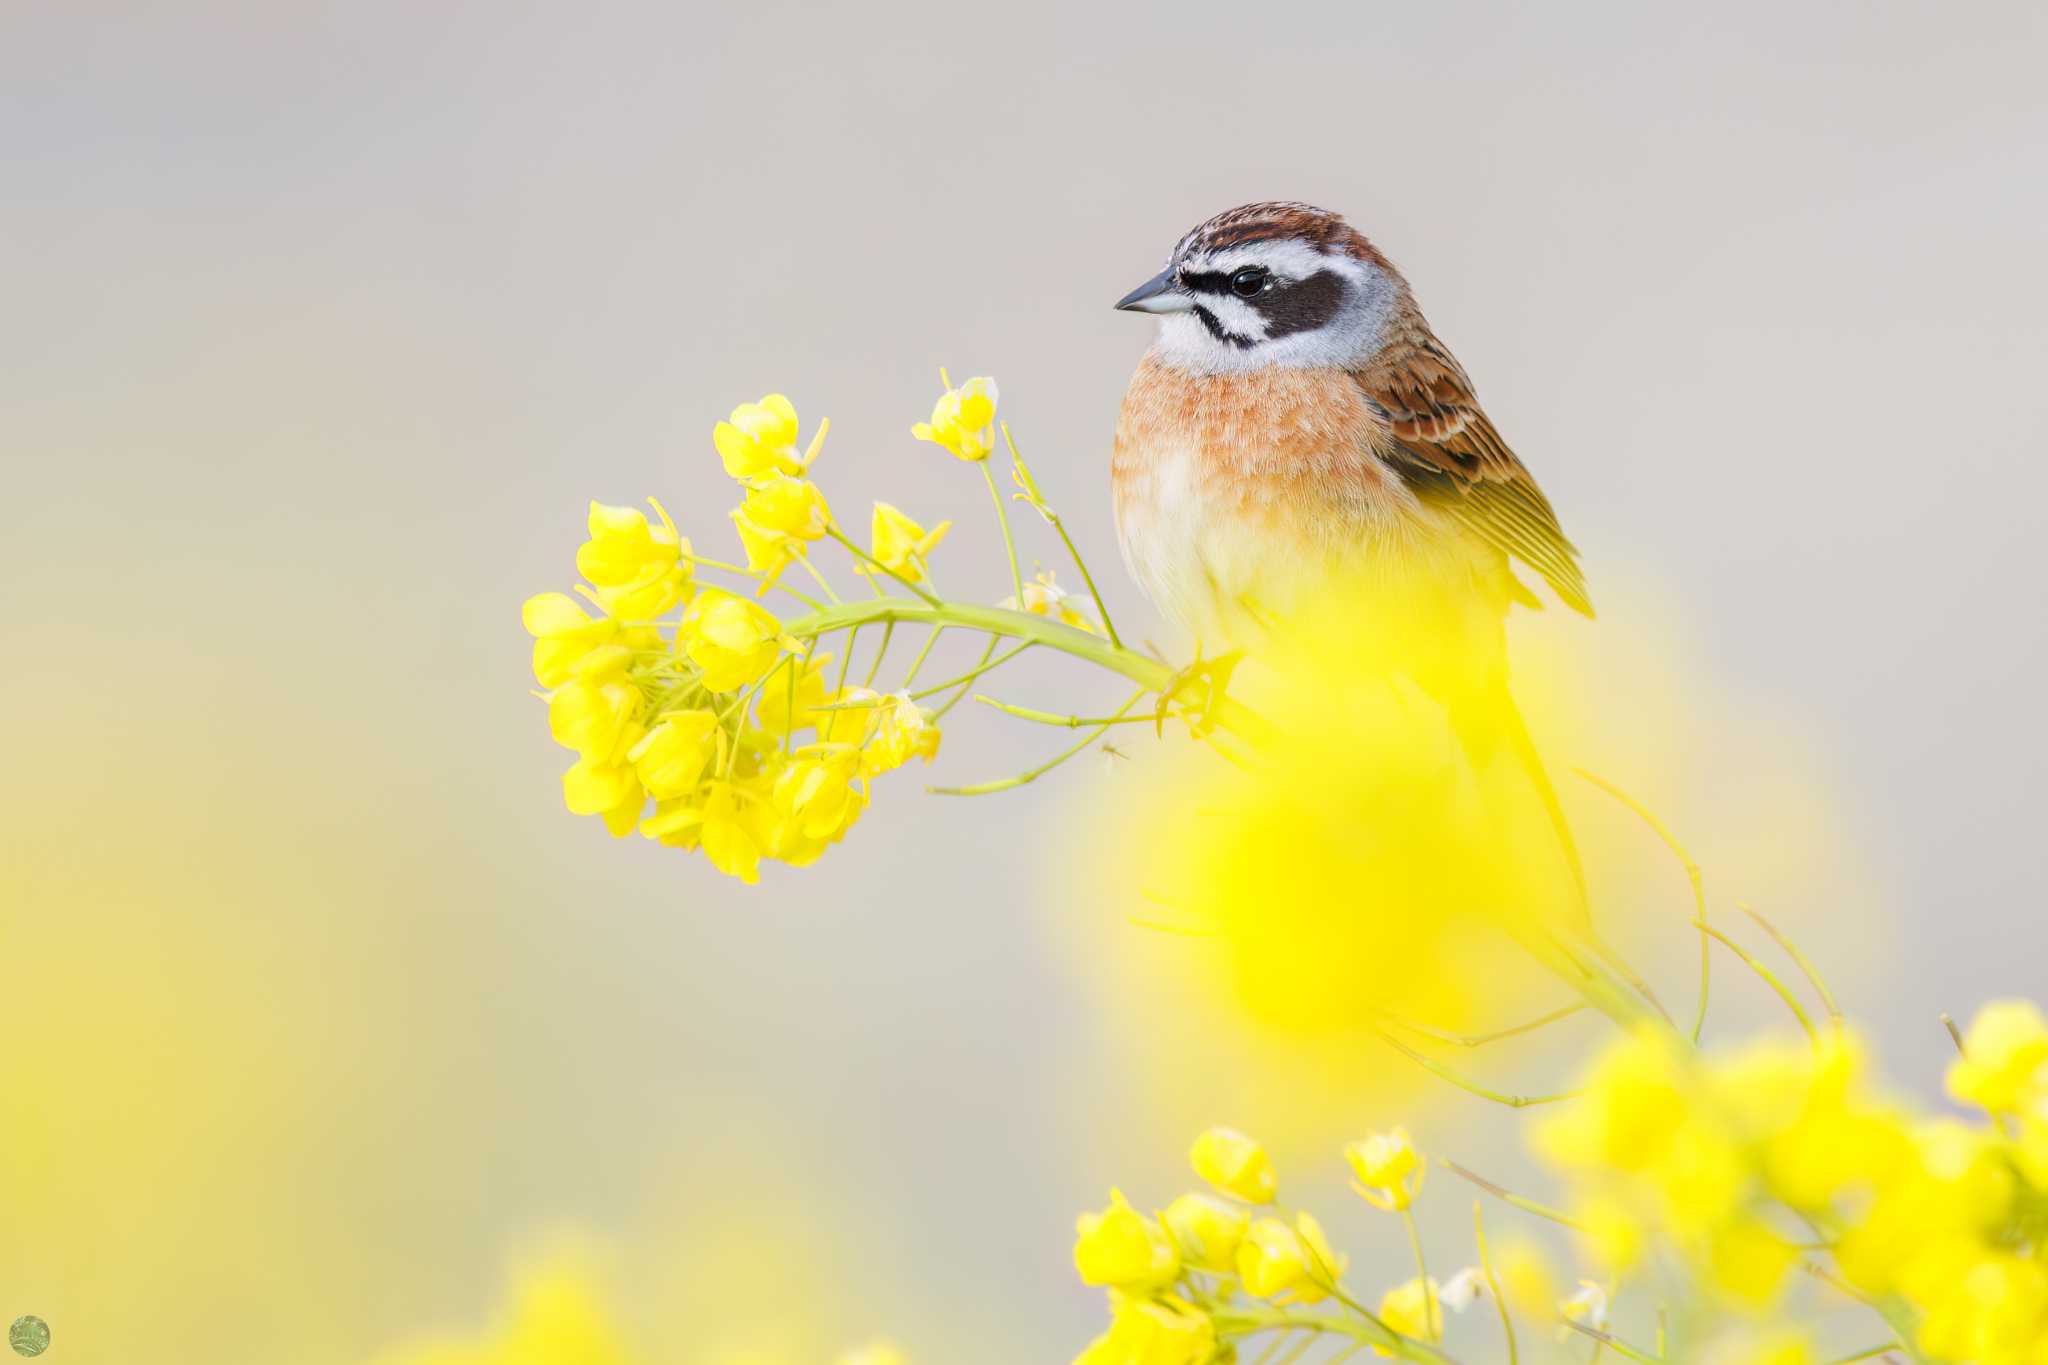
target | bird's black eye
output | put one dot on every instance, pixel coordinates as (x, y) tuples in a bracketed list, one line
[(1248, 281)]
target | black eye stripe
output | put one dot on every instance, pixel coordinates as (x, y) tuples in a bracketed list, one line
[(1216, 329), (1205, 281), (1302, 306)]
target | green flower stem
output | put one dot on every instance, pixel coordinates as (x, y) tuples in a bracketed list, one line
[(1147, 672), (1003, 784), (1803, 962), (981, 666), (1613, 1343), (1769, 979), (866, 558), (1060, 527), (976, 672), (1865, 1354), (1500, 1302), (818, 578), (1482, 1039), (1003, 519), (1071, 722), (888, 630), (1463, 1082), (1692, 875), (924, 652), (1371, 1331), (1432, 1316), (1510, 1198)]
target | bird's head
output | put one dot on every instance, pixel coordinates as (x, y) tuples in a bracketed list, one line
[(1273, 283)]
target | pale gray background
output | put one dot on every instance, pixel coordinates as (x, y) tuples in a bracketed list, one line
[(319, 321)]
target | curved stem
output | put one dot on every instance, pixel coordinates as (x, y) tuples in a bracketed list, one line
[(1141, 669), (1003, 519)]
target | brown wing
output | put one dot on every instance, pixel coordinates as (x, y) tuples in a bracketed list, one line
[(1448, 453)]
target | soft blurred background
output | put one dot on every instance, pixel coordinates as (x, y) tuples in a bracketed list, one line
[(320, 322)]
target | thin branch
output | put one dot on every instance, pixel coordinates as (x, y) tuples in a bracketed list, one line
[(1804, 963), (1692, 875), (1463, 1082), (1002, 784), (1507, 1196), (1482, 1039), (1612, 1343), (1791, 1000), (1507, 1320)]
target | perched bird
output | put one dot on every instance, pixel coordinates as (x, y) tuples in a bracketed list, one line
[(1297, 442)]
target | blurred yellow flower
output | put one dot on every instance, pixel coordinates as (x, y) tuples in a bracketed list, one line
[(557, 1320), (732, 640), (1207, 1230), (1045, 597), (901, 545), (2004, 1066), (961, 419), (671, 758), (1413, 1309), (1153, 1333), (1120, 1248), (562, 634), (1234, 1164), (638, 570), (1586, 1305), (876, 1353), (759, 440), (1384, 1163), (1297, 1262)]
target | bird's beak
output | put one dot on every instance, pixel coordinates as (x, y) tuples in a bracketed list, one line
[(1156, 295)]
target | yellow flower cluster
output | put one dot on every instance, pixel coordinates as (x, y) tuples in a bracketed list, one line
[(1190, 1283), (717, 717), (1722, 1158)]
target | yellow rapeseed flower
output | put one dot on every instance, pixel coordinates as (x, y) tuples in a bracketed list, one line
[(2004, 1066), (1043, 596), (1388, 1168), (1297, 1262), (612, 790), (962, 419), (818, 797), (759, 440), (1147, 1332), (671, 758), (598, 718), (1120, 1248), (1207, 1230), (1415, 1310), (789, 506), (562, 634), (901, 545), (1234, 1164), (732, 640), (639, 570), (903, 731), (791, 695)]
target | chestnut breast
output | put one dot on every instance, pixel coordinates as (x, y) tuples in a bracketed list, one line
[(1239, 492)]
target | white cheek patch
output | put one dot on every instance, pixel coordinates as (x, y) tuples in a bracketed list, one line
[(1348, 339)]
